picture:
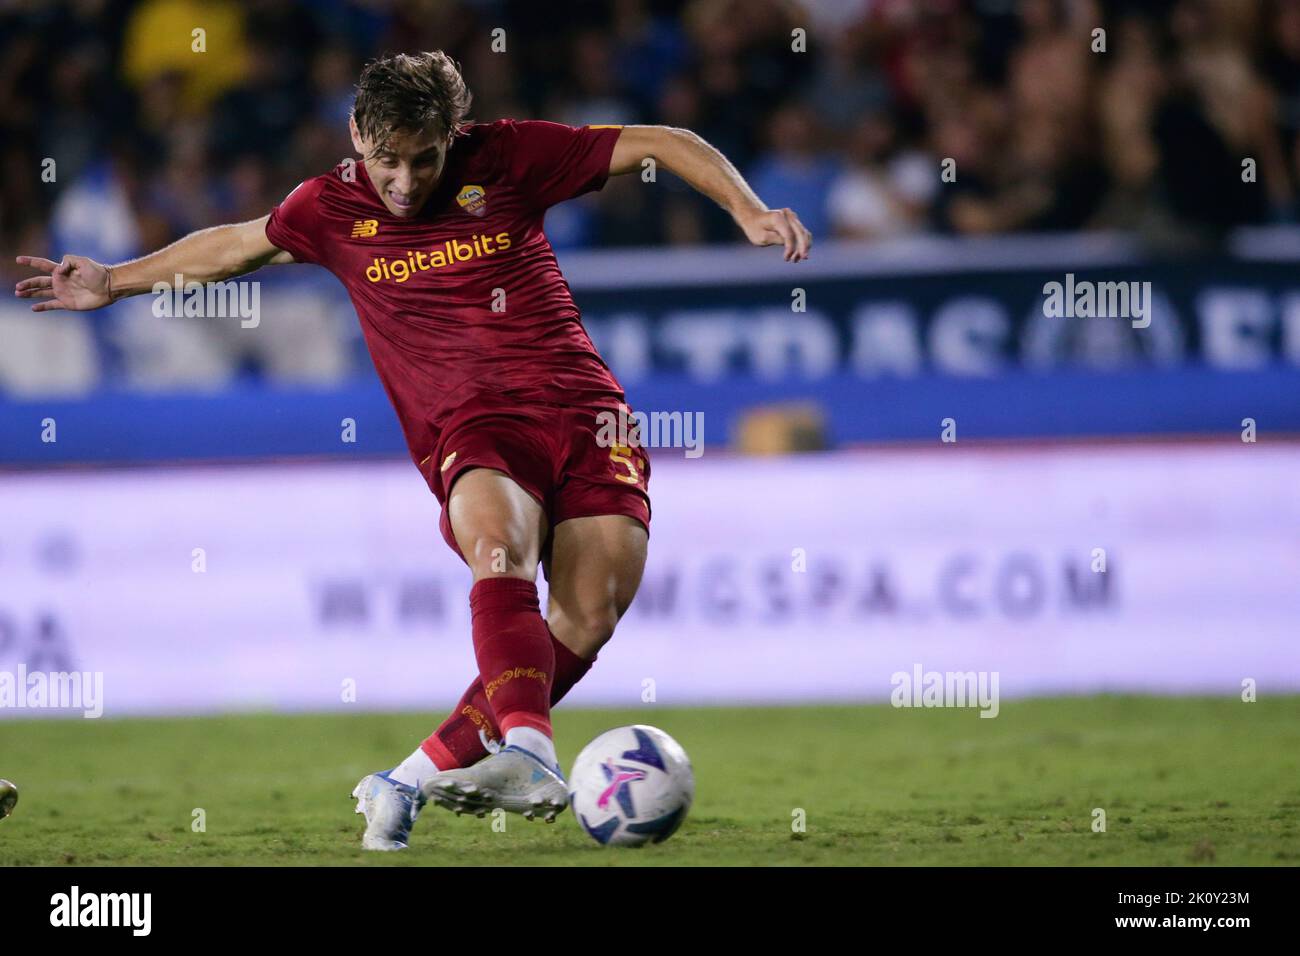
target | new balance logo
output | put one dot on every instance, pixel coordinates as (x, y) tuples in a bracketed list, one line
[(364, 228)]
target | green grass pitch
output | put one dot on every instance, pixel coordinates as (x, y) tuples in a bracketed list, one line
[(1182, 781)]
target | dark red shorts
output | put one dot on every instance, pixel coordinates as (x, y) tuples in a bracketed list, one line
[(553, 452)]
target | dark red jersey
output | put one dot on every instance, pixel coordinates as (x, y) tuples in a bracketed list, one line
[(464, 300)]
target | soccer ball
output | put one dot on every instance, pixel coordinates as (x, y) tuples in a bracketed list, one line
[(8, 798), (630, 786)]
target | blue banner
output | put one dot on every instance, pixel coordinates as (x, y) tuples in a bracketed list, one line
[(1006, 338)]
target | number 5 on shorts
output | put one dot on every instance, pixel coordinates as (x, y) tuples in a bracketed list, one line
[(622, 455)]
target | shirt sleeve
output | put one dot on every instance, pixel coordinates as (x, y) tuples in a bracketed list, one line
[(294, 225), (551, 162)]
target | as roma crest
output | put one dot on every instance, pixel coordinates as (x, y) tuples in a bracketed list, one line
[(473, 200)]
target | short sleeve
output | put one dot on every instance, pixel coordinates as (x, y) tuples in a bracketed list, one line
[(551, 162), (294, 224)]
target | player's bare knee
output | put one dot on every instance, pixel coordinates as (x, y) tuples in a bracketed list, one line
[(498, 556), (584, 628)]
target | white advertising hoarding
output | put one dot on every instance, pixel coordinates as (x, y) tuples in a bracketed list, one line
[(806, 578)]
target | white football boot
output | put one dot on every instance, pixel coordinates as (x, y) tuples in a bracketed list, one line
[(512, 779), (390, 809)]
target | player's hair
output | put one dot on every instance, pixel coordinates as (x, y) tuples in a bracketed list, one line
[(408, 92)]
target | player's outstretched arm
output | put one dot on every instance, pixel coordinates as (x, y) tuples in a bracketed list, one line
[(709, 172), (209, 255)]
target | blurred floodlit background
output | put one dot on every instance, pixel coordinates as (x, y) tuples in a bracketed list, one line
[(178, 510)]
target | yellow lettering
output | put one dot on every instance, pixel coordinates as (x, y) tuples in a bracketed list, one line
[(451, 251), (622, 455)]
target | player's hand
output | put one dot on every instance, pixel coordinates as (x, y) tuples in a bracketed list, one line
[(779, 227), (76, 283)]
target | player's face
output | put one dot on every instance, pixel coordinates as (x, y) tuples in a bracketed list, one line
[(406, 170)]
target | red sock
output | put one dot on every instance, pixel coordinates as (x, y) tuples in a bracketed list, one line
[(456, 743), (569, 669), (513, 649)]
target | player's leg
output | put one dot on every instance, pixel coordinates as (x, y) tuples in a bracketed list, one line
[(498, 528), (600, 541), (470, 732), (601, 517), (600, 511), (595, 568), (592, 582)]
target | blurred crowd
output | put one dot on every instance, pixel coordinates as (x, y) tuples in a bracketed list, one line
[(1180, 120)]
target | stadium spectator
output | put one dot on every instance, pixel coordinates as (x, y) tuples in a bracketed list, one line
[(885, 189), (163, 41), (1046, 132), (795, 171)]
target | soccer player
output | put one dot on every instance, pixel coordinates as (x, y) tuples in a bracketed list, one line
[(437, 236)]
